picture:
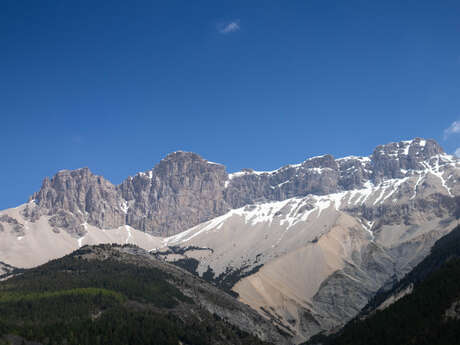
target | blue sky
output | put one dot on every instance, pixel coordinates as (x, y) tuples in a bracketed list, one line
[(116, 85)]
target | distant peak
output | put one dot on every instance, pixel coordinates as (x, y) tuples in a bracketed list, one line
[(70, 171), (182, 155), (186, 155), (417, 146)]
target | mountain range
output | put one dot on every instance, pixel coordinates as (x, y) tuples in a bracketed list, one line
[(306, 246)]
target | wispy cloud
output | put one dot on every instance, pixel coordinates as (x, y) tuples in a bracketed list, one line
[(226, 28), (454, 128), (457, 152)]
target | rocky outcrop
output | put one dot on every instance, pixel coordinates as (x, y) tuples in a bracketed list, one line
[(181, 191), (354, 172), (395, 159), (65, 220), (318, 175), (409, 213), (75, 197), (13, 224)]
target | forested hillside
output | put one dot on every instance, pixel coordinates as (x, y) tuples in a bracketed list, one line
[(78, 300)]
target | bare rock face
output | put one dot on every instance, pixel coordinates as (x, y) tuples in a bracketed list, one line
[(392, 160), (324, 175), (76, 197), (66, 220), (13, 224), (184, 189), (354, 172), (318, 175), (181, 191)]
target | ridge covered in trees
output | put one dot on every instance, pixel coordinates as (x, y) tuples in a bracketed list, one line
[(76, 301)]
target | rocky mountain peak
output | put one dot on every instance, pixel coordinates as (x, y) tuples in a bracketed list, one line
[(393, 159), (325, 161), (422, 148), (74, 197), (183, 189), (61, 180), (181, 155), (184, 163)]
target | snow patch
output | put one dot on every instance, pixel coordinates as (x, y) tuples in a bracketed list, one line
[(366, 192), (407, 145), (128, 229), (421, 176), (80, 241), (213, 163), (436, 170), (394, 184), (124, 207), (367, 226), (148, 174), (359, 158)]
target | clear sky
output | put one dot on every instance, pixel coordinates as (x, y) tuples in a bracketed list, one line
[(116, 85)]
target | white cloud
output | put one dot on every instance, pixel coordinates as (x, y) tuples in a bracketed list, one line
[(227, 28), (457, 152), (454, 128)]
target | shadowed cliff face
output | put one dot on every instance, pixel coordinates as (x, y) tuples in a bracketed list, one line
[(184, 189)]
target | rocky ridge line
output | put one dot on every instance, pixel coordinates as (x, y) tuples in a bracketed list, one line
[(184, 189)]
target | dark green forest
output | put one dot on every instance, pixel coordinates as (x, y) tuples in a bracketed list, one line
[(76, 301)]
